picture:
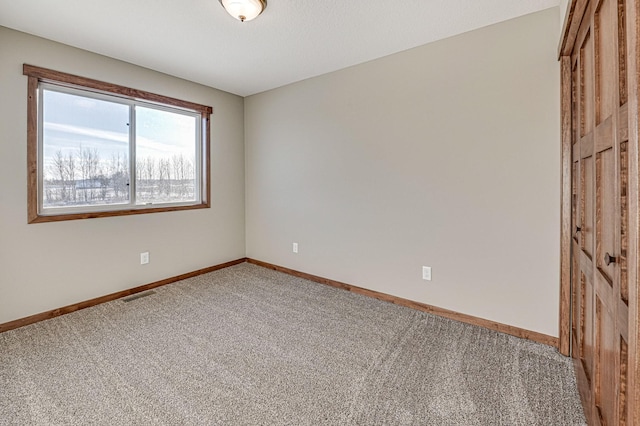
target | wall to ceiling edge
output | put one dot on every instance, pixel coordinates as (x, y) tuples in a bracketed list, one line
[(446, 155), (50, 265)]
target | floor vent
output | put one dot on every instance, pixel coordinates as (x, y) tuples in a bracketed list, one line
[(138, 296)]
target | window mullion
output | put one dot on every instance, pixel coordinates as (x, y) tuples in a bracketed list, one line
[(132, 155)]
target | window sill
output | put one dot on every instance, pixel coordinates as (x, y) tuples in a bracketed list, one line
[(39, 218)]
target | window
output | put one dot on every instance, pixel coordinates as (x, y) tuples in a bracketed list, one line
[(96, 149)]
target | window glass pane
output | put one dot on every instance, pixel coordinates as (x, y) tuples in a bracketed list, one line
[(165, 156), (85, 151)]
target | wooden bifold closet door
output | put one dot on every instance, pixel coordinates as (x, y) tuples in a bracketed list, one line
[(600, 200)]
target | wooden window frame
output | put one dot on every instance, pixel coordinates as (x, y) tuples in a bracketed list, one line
[(36, 75)]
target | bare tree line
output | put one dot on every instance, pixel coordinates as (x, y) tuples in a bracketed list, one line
[(168, 177), (82, 177)]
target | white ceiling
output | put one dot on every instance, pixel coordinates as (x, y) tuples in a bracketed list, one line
[(291, 41)]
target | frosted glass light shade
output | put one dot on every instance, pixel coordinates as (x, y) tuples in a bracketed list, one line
[(244, 10)]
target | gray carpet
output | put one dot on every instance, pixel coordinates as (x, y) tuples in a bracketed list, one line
[(250, 346)]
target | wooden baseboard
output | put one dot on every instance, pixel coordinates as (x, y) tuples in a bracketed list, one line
[(492, 325), (468, 319), (109, 297)]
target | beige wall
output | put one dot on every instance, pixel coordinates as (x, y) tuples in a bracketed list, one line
[(564, 4), (446, 155), (49, 265)]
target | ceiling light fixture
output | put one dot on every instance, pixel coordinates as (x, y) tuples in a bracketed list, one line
[(244, 10)]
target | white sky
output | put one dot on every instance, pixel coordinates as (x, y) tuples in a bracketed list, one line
[(72, 122)]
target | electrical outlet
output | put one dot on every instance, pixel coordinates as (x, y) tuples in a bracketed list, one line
[(426, 273), (144, 258), (295, 247)]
